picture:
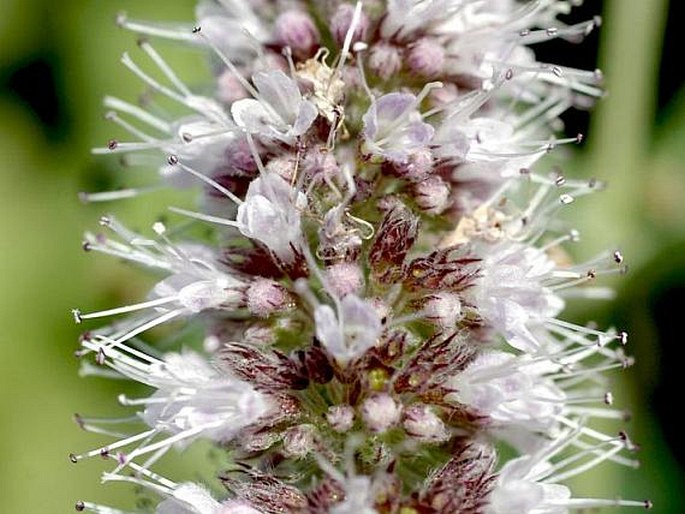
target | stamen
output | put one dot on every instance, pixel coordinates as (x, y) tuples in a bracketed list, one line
[(128, 62), (81, 506), (140, 114), (354, 23), (164, 67), (118, 444), (205, 217), (122, 310), (180, 32), (173, 161), (120, 194)]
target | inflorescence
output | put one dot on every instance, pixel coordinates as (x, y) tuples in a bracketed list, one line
[(382, 273)]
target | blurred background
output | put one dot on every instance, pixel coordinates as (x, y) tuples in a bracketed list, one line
[(57, 61)]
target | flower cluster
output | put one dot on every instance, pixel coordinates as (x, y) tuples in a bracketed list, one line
[(380, 290)]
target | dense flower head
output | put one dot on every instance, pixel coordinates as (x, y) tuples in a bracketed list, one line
[(377, 310)]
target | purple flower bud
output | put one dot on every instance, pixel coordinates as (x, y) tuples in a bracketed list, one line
[(341, 21), (422, 423), (395, 237), (229, 89), (320, 165), (432, 195), (417, 167), (426, 57), (239, 158), (443, 96), (380, 412), (266, 297), (299, 441), (283, 165), (344, 278), (237, 507), (340, 417), (296, 29), (466, 479), (317, 363), (443, 309), (385, 60), (259, 334)]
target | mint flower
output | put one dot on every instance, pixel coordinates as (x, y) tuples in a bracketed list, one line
[(371, 317)]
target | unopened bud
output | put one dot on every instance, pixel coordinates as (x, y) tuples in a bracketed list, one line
[(299, 441), (283, 165), (344, 278), (385, 60), (296, 30), (380, 412), (417, 167), (432, 195), (340, 417), (422, 423), (266, 297), (229, 89), (341, 21), (443, 309), (426, 58)]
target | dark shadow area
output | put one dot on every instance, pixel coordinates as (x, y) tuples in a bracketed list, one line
[(666, 307), (671, 70), (36, 83)]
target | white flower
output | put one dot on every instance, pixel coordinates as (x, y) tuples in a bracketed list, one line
[(393, 127), (233, 27), (351, 332), (271, 215), (509, 390), (278, 110), (530, 484), (359, 497), (196, 282), (189, 498), (517, 491), (511, 294), (381, 292), (405, 17), (193, 399)]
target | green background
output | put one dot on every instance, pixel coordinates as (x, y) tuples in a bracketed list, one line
[(43, 273)]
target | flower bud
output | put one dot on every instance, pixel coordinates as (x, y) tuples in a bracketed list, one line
[(266, 297), (422, 423), (295, 29), (341, 21), (443, 309), (385, 60), (340, 417), (237, 507), (229, 89), (380, 412), (396, 235), (417, 167), (239, 158), (317, 363), (259, 335), (283, 165), (432, 195), (298, 441), (344, 278), (426, 57), (443, 96)]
